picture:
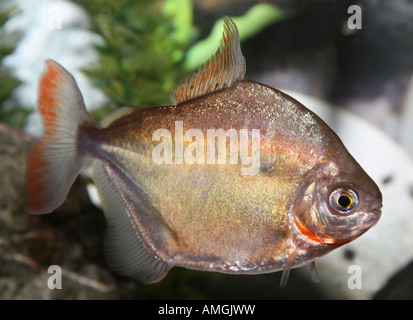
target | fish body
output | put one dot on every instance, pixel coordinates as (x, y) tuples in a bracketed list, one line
[(237, 177)]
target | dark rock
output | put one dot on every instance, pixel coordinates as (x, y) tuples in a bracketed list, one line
[(399, 286)]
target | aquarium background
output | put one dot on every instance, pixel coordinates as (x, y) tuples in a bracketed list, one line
[(133, 53)]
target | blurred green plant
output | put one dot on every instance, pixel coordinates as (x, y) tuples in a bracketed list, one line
[(142, 44), (146, 47), (257, 18), (10, 112)]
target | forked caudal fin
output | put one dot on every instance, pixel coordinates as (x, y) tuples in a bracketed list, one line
[(54, 162)]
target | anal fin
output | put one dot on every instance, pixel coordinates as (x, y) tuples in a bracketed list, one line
[(126, 251)]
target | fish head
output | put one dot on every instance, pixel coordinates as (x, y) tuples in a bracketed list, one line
[(336, 202)]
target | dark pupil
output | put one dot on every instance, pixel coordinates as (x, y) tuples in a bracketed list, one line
[(344, 201)]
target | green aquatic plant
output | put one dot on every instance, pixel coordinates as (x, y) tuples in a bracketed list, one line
[(142, 44), (148, 46)]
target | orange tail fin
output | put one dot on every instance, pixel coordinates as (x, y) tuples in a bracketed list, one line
[(54, 162)]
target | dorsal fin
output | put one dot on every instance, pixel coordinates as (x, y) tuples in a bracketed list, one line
[(220, 71)]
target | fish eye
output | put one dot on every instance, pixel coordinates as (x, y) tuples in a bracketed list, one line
[(344, 200)]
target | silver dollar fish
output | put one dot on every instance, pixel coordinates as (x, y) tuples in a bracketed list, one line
[(237, 177)]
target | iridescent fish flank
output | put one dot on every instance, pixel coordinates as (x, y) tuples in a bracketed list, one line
[(283, 192)]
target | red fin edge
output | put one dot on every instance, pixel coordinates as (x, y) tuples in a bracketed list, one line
[(35, 183), (47, 102)]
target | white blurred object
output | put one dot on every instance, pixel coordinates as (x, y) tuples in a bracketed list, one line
[(387, 247), (53, 29), (407, 119)]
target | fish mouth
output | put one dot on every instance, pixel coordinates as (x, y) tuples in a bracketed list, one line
[(373, 217), (376, 212), (369, 220)]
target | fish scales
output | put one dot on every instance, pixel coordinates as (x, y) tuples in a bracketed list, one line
[(250, 215)]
